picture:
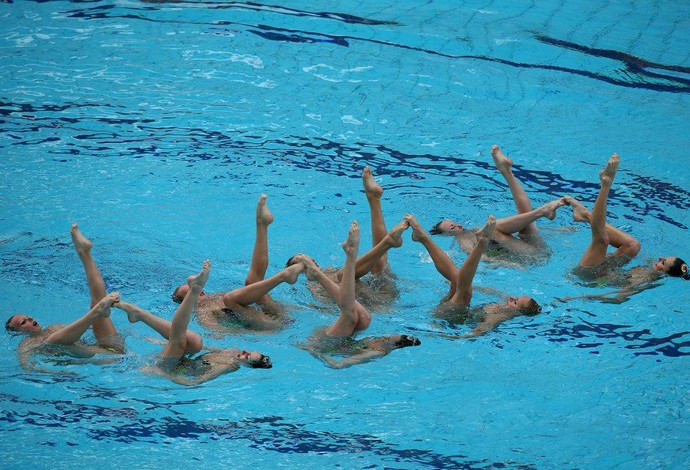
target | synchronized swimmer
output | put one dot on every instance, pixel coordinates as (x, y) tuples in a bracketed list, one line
[(185, 360)]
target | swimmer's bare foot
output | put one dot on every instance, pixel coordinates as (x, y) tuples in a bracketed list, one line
[(198, 281), (81, 243), (394, 237), (351, 245), (549, 209), (503, 163), (308, 263), (609, 172), (487, 231), (102, 308), (371, 187), (580, 212), (263, 213), (130, 309), (418, 232), (292, 272)]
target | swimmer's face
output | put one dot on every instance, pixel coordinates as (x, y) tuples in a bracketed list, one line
[(447, 227), (23, 324), (255, 359), (525, 304), (664, 264), (513, 302), (181, 292)]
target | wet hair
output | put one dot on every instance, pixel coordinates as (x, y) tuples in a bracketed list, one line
[(406, 341), (292, 261), (263, 363), (8, 325), (435, 230), (532, 308), (176, 298), (679, 269)]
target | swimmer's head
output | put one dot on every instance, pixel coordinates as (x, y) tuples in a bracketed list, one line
[(254, 359), (526, 305), (404, 341), (296, 259), (672, 266), (181, 292), (446, 227), (20, 323)]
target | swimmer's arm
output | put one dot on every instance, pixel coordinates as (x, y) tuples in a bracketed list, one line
[(210, 321), (359, 358), (484, 326), (216, 370), (71, 333), (257, 320), (28, 363), (503, 262), (26, 360), (616, 297), (490, 290), (610, 298)]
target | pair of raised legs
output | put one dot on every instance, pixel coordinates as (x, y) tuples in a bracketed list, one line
[(180, 340), (460, 292), (98, 317), (603, 234), (523, 222), (375, 260), (256, 286), (354, 317)]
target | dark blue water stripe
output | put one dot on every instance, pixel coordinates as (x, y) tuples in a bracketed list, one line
[(268, 433), (637, 77)]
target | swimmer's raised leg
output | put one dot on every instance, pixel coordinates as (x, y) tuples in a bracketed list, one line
[(73, 332), (521, 222), (522, 201), (463, 285), (596, 252), (350, 309), (444, 265), (258, 291), (159, 325), (103, 326), (624, 243), (177, 343), (259, 264), (374, 192), (367, 262)]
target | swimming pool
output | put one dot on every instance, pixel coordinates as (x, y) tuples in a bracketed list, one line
[(157, 125)]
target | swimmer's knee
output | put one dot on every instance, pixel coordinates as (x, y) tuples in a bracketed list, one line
[(229, 300), (194, 343), (600, 243), (632, 248), (363, 318), (252, 278)]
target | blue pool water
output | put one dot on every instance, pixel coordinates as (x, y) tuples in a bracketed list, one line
[(155, 126)]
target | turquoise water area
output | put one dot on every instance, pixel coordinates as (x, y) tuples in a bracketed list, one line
[(156, 125)]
